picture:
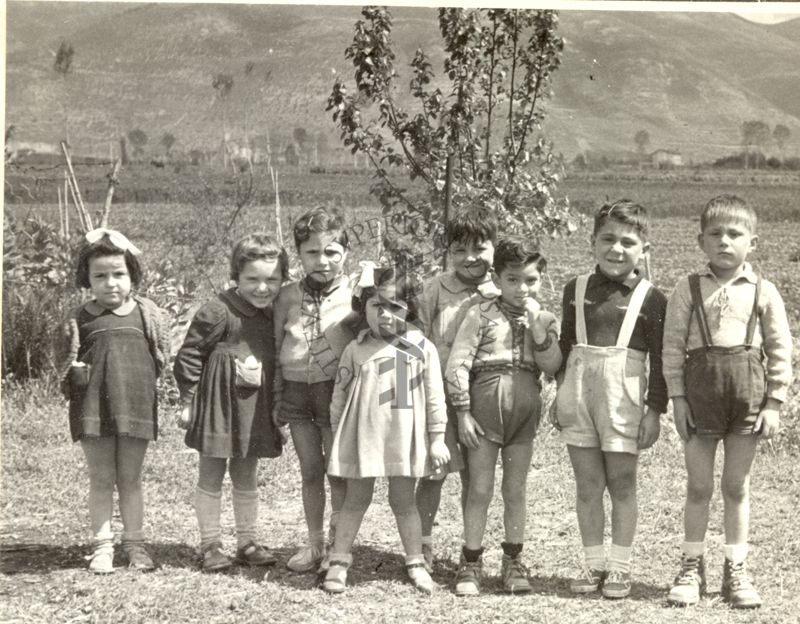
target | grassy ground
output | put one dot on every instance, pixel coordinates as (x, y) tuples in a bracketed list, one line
[(44, 517)]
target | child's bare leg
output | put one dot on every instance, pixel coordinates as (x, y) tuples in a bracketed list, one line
[(699, 456), (621, 483), (357, 499), (590, 484), (516, 464), (428, 498), (307, 441), (739, 453), (482, 461), (401, 500), (101, 460), (337, 484), (130, 457)]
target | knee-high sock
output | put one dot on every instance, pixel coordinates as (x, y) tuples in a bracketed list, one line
[(245, 511), (207, 506)]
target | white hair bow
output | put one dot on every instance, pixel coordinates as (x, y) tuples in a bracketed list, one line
[(367, 278), (117, 239)]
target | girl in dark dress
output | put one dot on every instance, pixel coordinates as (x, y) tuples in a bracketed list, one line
[(225, 371), (116, 345)]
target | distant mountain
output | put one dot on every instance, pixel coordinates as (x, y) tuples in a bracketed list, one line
[(690, 80)]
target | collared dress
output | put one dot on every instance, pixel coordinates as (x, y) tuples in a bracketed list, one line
[(115, 393), (229, 419), (386, 401)]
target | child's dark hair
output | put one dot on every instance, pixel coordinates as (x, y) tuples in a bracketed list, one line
[(320, 219), (623, 211), (516, 251), (408, 287), (474, 223), (728, 208), (258, 246), (104, 247)]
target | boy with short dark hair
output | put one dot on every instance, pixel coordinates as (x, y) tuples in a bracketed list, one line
[(493, 381), (608, 405), (727, 363), (470, 237)]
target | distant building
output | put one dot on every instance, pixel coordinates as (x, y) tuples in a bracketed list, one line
[(666, 159)]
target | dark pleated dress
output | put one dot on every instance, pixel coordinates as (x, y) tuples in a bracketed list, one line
[(119, 397), (229, 420)]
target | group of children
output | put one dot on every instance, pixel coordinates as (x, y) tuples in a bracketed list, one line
[(387, 375)]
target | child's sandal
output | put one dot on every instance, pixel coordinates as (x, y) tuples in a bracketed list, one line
[(336, 577), (101, 561), (253, 554), (138, 558), (420, 578)]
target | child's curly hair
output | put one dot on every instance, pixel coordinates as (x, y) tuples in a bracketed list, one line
[(99, 249), (259, 246), (320, 219), (623, 211), (408, 287), (517, 251)]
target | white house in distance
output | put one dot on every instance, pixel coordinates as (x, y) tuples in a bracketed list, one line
[(666, 159)]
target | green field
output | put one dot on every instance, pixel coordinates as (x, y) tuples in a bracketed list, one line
[(44, 517)]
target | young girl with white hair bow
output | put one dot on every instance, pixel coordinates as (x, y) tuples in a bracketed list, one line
[(116, 345)]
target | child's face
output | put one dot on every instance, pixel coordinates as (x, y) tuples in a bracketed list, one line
[(259, 282), (322, 257), (109, 280), (727, 243), (386, 317), (617, 248), (471, 259), (519, 283)]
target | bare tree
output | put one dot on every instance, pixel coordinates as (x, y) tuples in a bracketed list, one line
[(223, 85), (782, 134), (755, 134), (62, 66), (642, 140)]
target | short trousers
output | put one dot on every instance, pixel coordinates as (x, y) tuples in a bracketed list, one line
[(601, 400), (304, 402), (726, 389), (507, 405)]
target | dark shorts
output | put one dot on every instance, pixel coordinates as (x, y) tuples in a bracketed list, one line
[(726, 389), (303, 402), (507, 405)]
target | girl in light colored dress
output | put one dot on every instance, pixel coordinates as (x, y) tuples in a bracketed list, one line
[(388, 415), (116, 345)]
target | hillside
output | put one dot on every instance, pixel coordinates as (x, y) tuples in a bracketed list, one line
[(689, 79)]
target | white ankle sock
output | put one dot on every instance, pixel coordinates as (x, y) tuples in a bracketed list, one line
[(694, 549), (207, 506), (245, 513), (619, 558), (735, 553), (595, 557)]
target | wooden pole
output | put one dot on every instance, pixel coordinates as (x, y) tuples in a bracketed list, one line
[(278, 226), (74, 180), (112, 183), (66, 208)]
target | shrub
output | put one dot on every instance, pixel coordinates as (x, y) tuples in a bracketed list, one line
[(37, 293)]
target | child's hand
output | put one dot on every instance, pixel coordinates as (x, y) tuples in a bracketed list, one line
[(279, 424), (439, 453), (649, 429), (468, 429), (769, 420), (553, 414), (185, 416), (682, 414)]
